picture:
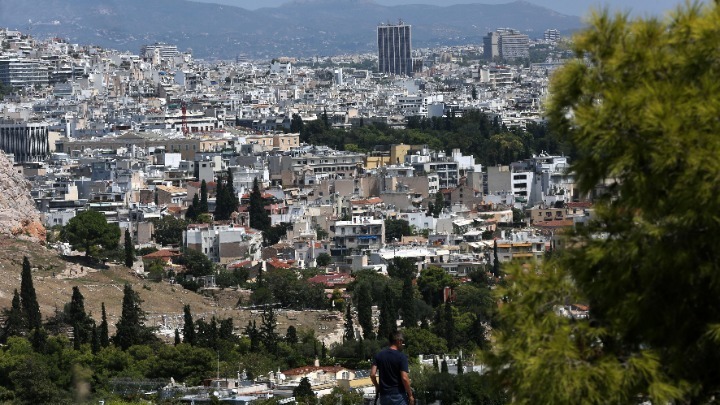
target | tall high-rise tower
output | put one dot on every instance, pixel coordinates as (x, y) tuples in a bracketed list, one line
[(395, 49)]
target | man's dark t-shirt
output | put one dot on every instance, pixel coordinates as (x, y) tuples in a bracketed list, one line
[(390, 363)]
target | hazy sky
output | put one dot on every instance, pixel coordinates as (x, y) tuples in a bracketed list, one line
[(572, 7)]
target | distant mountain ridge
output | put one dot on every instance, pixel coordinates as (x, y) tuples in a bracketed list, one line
[(299, 28)]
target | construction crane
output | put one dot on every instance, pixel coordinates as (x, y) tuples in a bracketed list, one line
[(183, 106)]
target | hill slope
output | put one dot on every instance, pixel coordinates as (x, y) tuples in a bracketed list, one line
[(306, 28)]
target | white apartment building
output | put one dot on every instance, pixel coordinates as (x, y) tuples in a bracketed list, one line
[(23, 72), (360, 234), (223, 243)]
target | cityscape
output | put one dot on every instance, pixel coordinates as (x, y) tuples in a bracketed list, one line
[(248, 224)]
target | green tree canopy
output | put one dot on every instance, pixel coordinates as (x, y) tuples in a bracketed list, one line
[(640, 106), (169, 230), (89, 231), (395, 229), (431, 283), (196, 263)]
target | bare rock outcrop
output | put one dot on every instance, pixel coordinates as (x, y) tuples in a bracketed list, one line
[(18, 216)]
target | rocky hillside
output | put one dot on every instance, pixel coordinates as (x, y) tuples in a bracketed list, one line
[(18, 215)]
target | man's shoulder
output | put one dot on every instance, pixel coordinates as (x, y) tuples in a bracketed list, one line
[(388, 352)]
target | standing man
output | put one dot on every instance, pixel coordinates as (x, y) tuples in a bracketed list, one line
[(394, 385)]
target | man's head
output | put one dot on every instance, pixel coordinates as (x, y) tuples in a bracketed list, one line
[(396, 338)]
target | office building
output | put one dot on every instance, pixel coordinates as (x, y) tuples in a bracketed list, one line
[(395, 49), (491, 48)]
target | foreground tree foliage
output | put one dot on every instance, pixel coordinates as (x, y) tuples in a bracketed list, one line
[(640, 107)]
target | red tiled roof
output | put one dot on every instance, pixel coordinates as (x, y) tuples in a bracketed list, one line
[(562, 223), (264, 195), (278, 264), (161, 254), (368, 201), (197, 184), (238, 265), (331, 280), (584, 204), (309, 369)]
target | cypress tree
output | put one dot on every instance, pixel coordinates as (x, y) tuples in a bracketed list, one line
[(460, 366), (252, 332), (177, 337), (349, 328), (439, 204), (444, 367), (129, 250), (103, 333), (449, 326), (304, 391), (267, 330), (291, 335), (360, 349), (232, 199), (220, 205), (38, 339), (259, 218), (436, 366), (225, 331), (364, 309), (477, 333), (95, 342), (79, 320), (409, 316), (496, 261), (76, 338), (192, 212), (28, 298), (131, 329), (325, 118), (14, 320), (388, 321), (203, 204), (188, 326)]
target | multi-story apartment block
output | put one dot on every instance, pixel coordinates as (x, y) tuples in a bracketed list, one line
[(514, 45), (23, 72), (551, 35), (358, 235), (223, 243), (521, 246), (311, 165)]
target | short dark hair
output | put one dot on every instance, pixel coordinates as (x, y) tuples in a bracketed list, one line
[(396, 336)]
